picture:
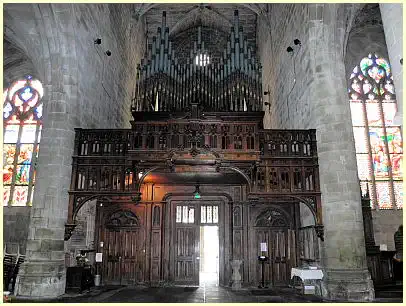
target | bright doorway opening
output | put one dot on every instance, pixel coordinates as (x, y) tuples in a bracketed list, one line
[(209, 255)]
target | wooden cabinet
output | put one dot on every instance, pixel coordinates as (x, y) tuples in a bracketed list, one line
[(79, 279)]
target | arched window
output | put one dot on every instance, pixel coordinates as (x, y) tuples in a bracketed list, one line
[(378, 141), (22, 114)]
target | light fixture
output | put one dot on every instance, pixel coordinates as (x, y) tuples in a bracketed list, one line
[(108, 53), (269, 105), (297, 42), (197, 194), (140, 174), (97, 41), (289, 50)]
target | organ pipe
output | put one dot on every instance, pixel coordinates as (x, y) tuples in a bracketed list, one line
[(232, 83)]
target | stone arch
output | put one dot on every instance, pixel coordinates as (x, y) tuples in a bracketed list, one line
[(365, 36), (17, 63)]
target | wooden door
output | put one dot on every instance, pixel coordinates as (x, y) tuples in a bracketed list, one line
[(123, 252), (273, 228), (281, 253), (186, 268)]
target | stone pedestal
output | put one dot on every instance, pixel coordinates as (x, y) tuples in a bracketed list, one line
[(236, 276), (41, 280)]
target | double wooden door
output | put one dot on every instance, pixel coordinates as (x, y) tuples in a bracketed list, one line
[(274, 227), (281, 250), (123, 256)]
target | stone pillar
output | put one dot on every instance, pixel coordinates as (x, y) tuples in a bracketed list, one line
[(392, 19), (43, 274), (343, 255)]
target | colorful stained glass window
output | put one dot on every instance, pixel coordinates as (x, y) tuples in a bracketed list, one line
[(22, 117), (378, 141)]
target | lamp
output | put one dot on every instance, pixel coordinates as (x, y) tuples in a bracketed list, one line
[(268, 104), (196, 193)]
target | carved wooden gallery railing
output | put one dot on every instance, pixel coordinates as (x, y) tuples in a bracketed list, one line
[(277, 163)]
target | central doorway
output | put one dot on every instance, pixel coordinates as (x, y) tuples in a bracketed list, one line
[(196, 253), (209, 255)]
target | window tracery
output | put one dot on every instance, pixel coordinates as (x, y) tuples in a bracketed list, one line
[(378, 141), (22, 122)]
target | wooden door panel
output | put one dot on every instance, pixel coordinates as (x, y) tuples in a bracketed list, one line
[(187, 251), (280, 253), (123, 252)]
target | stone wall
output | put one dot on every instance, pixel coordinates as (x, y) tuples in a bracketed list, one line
[(83, 88), (285, 75), (15, 227)]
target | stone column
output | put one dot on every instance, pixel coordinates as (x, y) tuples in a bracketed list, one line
[(43, 274), (392, 19), (343, 251)]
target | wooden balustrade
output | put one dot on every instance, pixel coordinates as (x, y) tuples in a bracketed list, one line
[(221, 137)]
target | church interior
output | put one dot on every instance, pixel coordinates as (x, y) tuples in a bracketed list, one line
[(246, 147)]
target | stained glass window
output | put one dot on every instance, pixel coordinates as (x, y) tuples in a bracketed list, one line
[(378, 141), (22, 118)]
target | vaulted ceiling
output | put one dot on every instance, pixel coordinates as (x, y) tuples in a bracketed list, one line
[(181, 17)]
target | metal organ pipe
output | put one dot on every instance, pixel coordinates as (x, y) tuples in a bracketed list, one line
[(230, 83)]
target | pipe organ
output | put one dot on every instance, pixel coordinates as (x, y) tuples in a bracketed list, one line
[(232, 83)]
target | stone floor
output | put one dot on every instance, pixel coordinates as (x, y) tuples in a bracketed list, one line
[(207, 292)]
